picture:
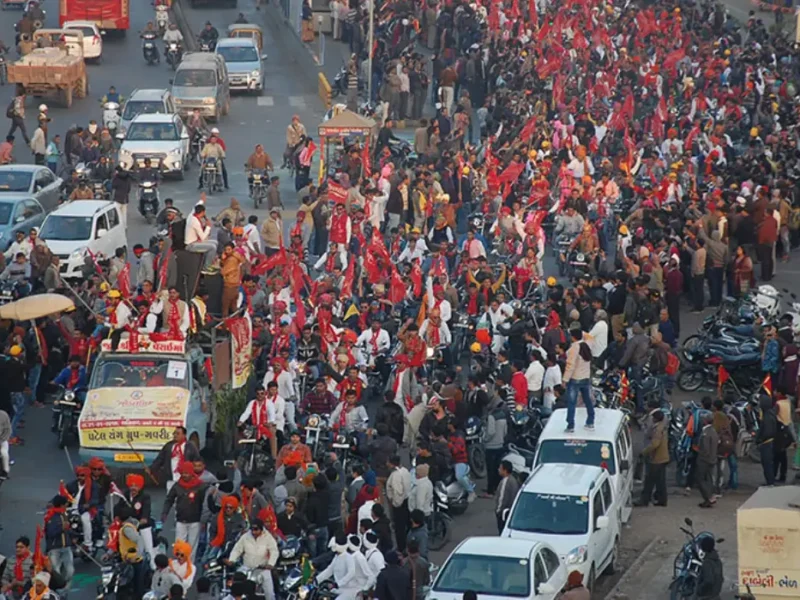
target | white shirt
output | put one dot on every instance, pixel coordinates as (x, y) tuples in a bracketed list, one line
[(284, 296), (535, 376), (410, 255), (475, 248), (376, 564), (16, 247), (253, 238), (383, 341), (320, 264), (255, 552), (552, 378), (598, 338), (123, 314), (180, 570), (251, 407), (195, 232), (175, 462), (285, 383), (445, 339)]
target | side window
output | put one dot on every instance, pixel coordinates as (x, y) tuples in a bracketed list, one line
[(101, 223), (597, 508), (539, 572), (32, 209), (622, 449), (551, 561), (626, 432), (113, 218), (19, 213), (44, 178), (605, 490), (169, 105)]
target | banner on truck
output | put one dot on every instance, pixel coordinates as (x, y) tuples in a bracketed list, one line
[(241, 350)]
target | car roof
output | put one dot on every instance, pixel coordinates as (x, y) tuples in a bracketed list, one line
[(148, 94), (606, 423), (153, 118), (497, 546), (199, 58), (237, 41), (14, 197), (68, 24), (23, 168), (562, 478), (82, 208)]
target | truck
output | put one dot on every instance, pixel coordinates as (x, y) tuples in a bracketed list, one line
[(58, 71), (108, 15)]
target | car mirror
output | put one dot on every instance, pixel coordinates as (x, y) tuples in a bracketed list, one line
[(19, 219), (184, 135), (602, 522), (264, 57), (505, 513), (547, 588), (101, 233), (624, 465), (120, 136)]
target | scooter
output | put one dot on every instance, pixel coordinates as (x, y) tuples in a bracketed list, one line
[(149, 50), (439, 521), (162, 18), (111, 117), (148, 200)]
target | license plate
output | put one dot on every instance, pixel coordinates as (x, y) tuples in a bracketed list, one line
[(340, 445), (67, 403), (148, 45), (127, 457), (249, 441)]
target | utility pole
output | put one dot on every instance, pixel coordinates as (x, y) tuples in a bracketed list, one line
[(370, 43)]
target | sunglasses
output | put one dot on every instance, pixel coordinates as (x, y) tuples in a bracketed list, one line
[(179, 555), (256, 530)]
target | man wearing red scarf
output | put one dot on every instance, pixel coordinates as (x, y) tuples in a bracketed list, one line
[(341, 227), (188, 495), (176, 316), (351, 383), (413, 344), (15, 580), (261, 413)]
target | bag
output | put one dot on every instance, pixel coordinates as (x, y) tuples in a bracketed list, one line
[(673, 364), (726, 445), (585, 352), (10, 112), (645, 313)]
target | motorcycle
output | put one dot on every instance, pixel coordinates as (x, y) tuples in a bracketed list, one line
[(525, 426), (290, 550), (100, 190), (207, 45), (688, 563), (8, 291), (196, 146), (98, 533), (258, 188), (317, 434), (440, 520), (293, 588), (255, 456), (521, 462), (111, 117), (149, 50), (174, 52), (114, 575), (148, 200), (66, 410), (162, 18), (475, 437), (463, 333), (211, 179), (345, 446)]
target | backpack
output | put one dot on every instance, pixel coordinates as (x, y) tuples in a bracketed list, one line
[(673, 364), (10, 112), (645, 313), (726, 445), (585, 352)]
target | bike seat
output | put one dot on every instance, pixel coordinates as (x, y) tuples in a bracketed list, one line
[(649, 384), (742, 359)]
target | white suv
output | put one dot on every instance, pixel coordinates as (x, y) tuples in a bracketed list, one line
[(572, 508), (163, 139)]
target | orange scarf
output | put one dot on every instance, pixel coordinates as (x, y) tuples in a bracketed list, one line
[(219, 539)]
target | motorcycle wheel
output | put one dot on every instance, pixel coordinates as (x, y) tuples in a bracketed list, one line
[(247, 463), (150, 218), (477, 460), (440, 531), (63, 433), (691, 380), (691, 344)]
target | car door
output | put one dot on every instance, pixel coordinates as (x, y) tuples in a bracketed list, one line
[(184, 137), (169, 105), (33, 215), (102, 243), (46, 188), (539, 577), (600, 541), (556, 574), (625, 468)]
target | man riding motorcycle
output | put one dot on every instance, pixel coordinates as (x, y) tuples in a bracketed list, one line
[(258, 552), (73, 378), (89, 492), (173, 34), (257, 161), (209, 35), (196, 123), (295, 133), (83, 191), (213, 150)]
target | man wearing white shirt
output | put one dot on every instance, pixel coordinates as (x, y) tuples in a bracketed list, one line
[(261, 413), (198, 235), (598, 336), (341, 254), (435, 296), (253, 236), (284, 383), (473, 246), (534, 374), (435, 331), (21, 244), (375, 341), (411, 252)]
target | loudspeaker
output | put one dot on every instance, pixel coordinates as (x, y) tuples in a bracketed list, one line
[(213, 286), (189, 266)]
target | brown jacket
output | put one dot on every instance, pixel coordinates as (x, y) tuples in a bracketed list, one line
[(768, 231), (272, 231), (232, 269), (657, 451)]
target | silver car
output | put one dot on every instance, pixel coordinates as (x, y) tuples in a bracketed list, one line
[(34, 181), (244, 64)]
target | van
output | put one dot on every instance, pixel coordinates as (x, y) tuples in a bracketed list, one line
[(81, 227), (201, 82), (608, 446), (572, 508)]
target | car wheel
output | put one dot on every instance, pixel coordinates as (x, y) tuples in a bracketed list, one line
[(179, 174), (590, 581), (611, 568)]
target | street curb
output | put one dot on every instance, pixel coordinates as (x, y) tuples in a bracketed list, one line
[(630, 570), (189, 41)]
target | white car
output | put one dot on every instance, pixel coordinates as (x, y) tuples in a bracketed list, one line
[(500, 569), (80, 227), (163, 139), (92, 38), (570, 507)]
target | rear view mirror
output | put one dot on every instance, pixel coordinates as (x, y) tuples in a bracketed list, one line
[(505, 513), (101, 233), (602, 522), (688, 521), (264, 57), (547, 588), (19, 219)]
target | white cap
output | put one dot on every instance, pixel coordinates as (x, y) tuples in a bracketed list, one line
[(215, 131), (43, 108)]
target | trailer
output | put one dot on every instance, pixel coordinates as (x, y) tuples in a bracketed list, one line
[(57, 71)]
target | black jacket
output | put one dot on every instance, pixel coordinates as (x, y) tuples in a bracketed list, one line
[(141, 507), (188, 503), (317, 507), (383, 530), (391, 414), (710, 579), (162, 465), (295, 525), (380, 451), (393, 583)]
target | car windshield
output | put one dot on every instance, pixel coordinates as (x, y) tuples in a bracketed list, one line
[(122, 370), (67, 229), (550, 513), (195, 78), (152, 132), (489, 575), (5, 212), (577, 452), (233, 54), (133, 108), (15, 181)]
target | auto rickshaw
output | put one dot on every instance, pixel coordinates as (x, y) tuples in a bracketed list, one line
[(247, 30)]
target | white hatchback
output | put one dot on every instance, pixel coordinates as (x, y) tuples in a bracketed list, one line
[(92, 38)]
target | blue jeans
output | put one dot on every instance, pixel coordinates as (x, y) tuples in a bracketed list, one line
[(19, 401), (733, 467), (582, 387), (61, 560), (33, 379), (318, 544), (462, 475)]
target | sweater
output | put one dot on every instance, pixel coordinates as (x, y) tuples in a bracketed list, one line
[(577, 368)]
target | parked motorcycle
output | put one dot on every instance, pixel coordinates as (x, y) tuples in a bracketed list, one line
[(688, 563), (174, 53), (149, 49), (475, 436), (148, 200), (255, 457)]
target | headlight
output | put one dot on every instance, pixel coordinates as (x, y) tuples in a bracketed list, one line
[(303, 592), (576, 556), (209, 100), (69, 395), (289, 552), (77, 254), (301, 366), (256, 74), (471, 430)]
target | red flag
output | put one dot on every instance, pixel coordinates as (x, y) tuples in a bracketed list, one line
[(767, 384), (397, 289), (366, 162), (579, 41), (416, 279), (722, 376), (532, 15), (307, 153), (300, 314), (544, 31), (96, 266), (62, 491), (371, 268), (515, 13), (628, 108), (278, 259), (124, 281), (630, 147), (528, 129), (347, 284), (162, 271), (493, 18), (511, 173), (38, 555)]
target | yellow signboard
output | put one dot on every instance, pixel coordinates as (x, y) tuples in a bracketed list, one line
[(138, 418)]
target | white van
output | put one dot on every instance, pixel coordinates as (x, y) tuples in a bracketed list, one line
[(82, 226), (608, 445), (570, 507)]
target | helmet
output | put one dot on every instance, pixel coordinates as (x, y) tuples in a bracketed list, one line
[(215, 131), (43, 108), (551, 281), (545, 145), (475, 347)]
